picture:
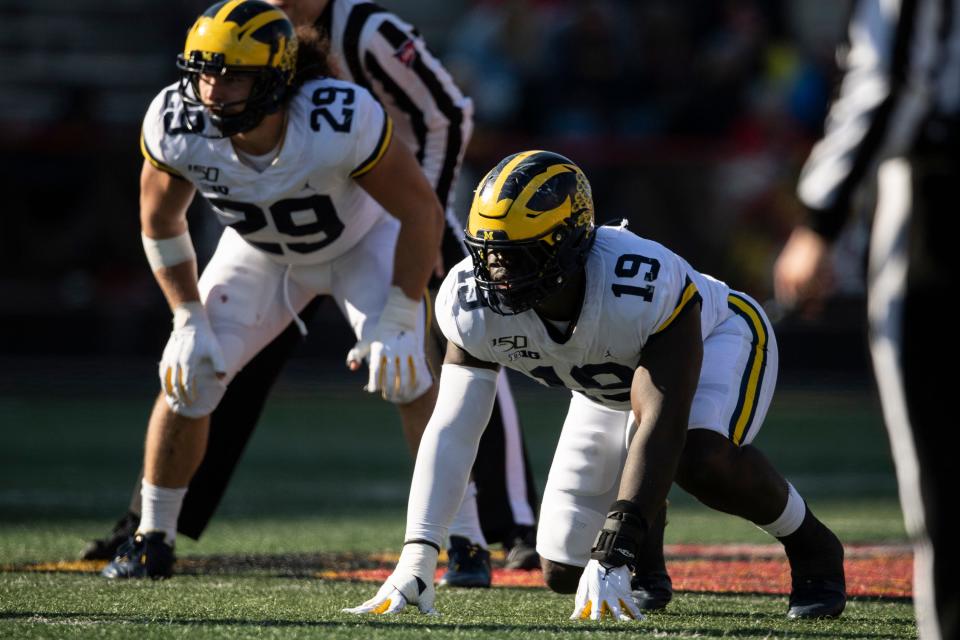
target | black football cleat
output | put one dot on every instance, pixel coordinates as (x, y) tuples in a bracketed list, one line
[(818, 584), (812, 598), (653, 591), (106, 548), (144, 555), (522, 549), (651, 584), (468, 565)]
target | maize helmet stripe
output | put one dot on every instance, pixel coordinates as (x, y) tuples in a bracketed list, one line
[(252, 28), (504, 203), (244, 12), (501, 180), (237, 30), (523, 200), (225, 10)]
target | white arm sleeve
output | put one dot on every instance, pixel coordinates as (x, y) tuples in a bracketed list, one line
[(448, 449)]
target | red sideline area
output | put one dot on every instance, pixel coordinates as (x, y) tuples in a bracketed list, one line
[(872, 571)]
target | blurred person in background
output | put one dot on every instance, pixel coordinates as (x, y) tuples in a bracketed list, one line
[(496, 51), (316, 196), (671, 374), (896, 120), (379, 51)]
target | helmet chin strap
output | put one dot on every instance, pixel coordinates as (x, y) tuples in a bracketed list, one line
[(565, 303)]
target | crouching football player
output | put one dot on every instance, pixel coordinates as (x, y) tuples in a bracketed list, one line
[(671, 374)]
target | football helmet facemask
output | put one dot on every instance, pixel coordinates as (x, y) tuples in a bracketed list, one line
[(532, 219), (247, 37)]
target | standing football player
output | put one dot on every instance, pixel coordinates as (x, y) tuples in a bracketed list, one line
[(303, 171), (671, 374), (374, 48)]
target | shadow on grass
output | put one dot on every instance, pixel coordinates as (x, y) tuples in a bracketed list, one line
[(570, 628)]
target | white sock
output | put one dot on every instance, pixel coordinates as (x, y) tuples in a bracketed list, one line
[(791, 518), (467, 521), (160, 509)]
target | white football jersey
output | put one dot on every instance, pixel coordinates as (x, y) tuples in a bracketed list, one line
[(635, 288), (306, 207)]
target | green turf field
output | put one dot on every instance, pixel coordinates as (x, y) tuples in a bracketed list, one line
[(69, 457)]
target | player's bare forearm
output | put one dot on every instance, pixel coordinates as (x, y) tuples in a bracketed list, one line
[(163, 214), (179, 283), (397, 182), (662, 392), (163, 203), (415, 258)]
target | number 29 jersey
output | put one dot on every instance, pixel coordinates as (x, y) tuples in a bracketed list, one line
[(635, 288), (305, 207)]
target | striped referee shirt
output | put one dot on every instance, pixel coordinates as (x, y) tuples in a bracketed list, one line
[(901, 67), (379, 51)]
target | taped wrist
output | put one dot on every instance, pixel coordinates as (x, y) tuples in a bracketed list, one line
[(168, 252), (621, 535)]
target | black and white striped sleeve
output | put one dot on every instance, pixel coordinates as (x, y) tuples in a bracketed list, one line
[(429, 110), (858, 126)]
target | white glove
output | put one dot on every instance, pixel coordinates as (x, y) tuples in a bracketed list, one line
[(403, 587), (396, 593), (398, 366), (191, 343), (605, 592)]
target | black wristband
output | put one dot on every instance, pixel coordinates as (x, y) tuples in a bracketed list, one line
[(625, 506), (619, 539), (827, 223)]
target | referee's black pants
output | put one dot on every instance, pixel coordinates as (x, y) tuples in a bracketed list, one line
[(913, 342)]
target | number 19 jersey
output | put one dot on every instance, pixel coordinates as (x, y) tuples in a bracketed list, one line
[(305, 207), (635, 288)]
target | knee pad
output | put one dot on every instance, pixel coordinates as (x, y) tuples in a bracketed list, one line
[(583, 482), (588, 461), (567, 530)]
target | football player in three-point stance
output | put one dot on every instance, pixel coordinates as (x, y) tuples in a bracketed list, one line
[(303, 171), (671, 374)]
